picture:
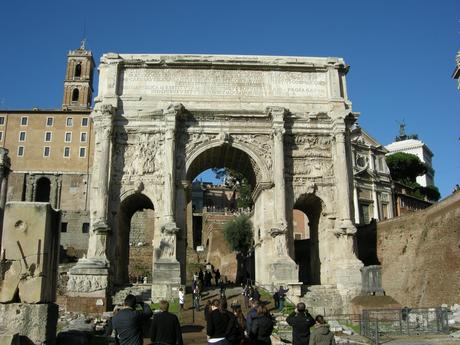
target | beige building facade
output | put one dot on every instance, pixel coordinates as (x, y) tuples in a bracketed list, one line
[(51, 152)]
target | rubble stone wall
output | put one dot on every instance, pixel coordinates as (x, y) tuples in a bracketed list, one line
[(420, 255)]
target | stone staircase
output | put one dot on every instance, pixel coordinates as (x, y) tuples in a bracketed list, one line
[(282, 330), (141, 291)]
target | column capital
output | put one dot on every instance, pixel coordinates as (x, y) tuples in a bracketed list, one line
[(173, 110), (277, 114)]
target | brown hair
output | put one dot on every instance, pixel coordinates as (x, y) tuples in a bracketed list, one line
[(164, 305), (320, 319), (262, 310)]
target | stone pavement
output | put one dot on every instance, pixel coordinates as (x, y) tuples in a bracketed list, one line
[(193, 322)]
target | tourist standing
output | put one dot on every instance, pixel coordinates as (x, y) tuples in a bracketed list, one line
[(246, 295), (128, 321), (282, 297), (256, 294), (262, 327), (217, 277), (165, 327), (300, 321), (251, 315), (181, 298), (276, 299), (322, 334), (201, 276), (196, 297), (217, 325)]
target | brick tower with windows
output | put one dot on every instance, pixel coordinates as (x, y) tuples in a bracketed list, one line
[(78, 83)]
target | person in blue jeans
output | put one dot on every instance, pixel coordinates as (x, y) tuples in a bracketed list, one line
[(282, 297)]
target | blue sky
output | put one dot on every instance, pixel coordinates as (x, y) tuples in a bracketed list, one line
[(401, 52)]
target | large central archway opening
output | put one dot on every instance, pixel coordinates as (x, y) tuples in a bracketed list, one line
[(223, 178), (134, 242), (306, 221)]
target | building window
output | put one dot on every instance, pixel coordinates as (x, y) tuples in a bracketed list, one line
[(68, 137), (22, 136), (84, 122), (2, 120), (365, 211), (49, 121), (78, 70), (1, 136), (64, 227), (75, 95), (46, 151), (20, 151), (24, 121), (83, 137), (69, 122), (85, 228), (48, 136), (82, 152), (66, 152)]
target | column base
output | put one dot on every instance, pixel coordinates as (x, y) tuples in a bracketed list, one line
[(284, 270), (87, 287), (166, 279)]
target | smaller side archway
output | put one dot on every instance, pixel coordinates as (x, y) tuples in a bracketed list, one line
[(134, 238), (43, 191), (307, 209)]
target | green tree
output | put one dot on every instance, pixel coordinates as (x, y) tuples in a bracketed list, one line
[(405, 166), (239, 183), (238, 234)]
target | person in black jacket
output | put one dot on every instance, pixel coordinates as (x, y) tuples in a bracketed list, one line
[(262, 327), (218, 325), (301, 321), (128, 321), (165, 327)]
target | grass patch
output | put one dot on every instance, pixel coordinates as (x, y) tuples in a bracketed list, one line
[(174, 306)]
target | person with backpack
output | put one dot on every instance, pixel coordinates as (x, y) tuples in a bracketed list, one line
[(300, 320), (262, 327), (322, 334)]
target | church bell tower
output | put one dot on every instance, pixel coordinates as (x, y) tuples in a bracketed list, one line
[(78, 83)]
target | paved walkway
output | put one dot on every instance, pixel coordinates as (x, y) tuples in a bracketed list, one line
[(193, 322)]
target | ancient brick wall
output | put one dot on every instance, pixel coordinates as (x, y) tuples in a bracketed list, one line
[(76, 235), (420, 255), (140, 243)]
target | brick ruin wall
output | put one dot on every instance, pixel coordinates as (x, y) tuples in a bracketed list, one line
[(420, 255), (140, 243)]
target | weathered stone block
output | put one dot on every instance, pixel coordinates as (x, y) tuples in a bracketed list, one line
[(30, 248), (12, 339), (166, 280), (35, 323)]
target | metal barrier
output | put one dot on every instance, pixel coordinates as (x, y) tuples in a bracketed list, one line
[(378, 323)]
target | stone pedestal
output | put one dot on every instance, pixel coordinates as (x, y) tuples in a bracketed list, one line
[(166, 279), (35, 323), (284, 271), (87, 287)]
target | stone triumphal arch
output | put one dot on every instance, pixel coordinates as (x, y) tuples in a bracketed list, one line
[(160, 120)]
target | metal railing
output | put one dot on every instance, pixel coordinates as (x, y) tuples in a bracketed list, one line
[(379, 323)]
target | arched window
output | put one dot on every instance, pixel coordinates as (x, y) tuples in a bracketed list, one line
[(78, 70), (43, 190), (75, 95)]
